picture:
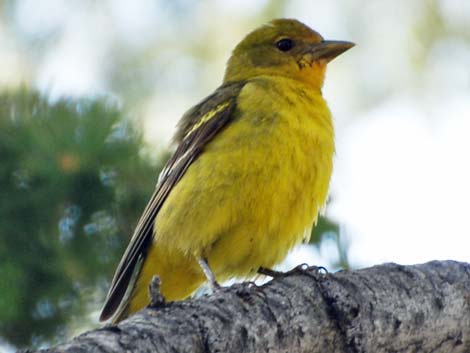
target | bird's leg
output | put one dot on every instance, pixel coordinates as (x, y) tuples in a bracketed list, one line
[(271, 273), (209, 274)]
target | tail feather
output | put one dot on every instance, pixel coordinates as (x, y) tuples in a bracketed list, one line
[(180, 276)]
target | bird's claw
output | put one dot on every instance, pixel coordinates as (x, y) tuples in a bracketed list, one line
[(302, 268)]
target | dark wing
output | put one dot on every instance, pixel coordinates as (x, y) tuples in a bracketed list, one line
[(197, 127)]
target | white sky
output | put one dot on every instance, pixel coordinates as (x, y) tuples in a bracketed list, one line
[(401, 186)]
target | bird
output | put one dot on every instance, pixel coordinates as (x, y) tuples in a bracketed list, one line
[(248, 177)]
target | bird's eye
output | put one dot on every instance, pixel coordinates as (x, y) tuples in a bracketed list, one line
[(285, 44)]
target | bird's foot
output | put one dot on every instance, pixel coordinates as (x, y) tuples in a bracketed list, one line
[(271, 273), (307, 270), (302, 268), (248, 290), (245, 288), (214, 286)]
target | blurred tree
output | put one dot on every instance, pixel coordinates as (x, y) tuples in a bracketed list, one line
[(327, 229), (74, 181)]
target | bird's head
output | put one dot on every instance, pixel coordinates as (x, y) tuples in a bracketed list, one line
[(284, 47)]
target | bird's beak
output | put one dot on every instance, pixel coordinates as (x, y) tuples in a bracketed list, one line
[(329, 49)]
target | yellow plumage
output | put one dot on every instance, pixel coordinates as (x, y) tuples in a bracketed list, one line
[(255, 187)]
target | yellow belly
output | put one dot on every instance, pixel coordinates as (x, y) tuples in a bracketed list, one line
[(251, 195)]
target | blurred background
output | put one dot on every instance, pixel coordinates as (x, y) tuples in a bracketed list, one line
[(90, 92)]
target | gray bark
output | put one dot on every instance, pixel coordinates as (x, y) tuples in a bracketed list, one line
[(387, 308)]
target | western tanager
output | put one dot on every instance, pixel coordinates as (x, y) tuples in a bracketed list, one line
[(248, 177)]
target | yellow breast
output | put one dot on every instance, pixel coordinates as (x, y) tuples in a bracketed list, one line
[(257, 188)]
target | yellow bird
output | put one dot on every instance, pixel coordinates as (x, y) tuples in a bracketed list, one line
[(249, 175)]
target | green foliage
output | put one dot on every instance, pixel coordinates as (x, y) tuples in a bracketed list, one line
[(73, 184)]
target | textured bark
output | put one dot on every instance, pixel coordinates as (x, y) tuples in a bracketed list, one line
[(387, 308)]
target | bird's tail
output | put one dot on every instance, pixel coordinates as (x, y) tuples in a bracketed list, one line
[(180, 276)]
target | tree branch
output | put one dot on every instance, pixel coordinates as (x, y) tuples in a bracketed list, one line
[(387, 308)]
